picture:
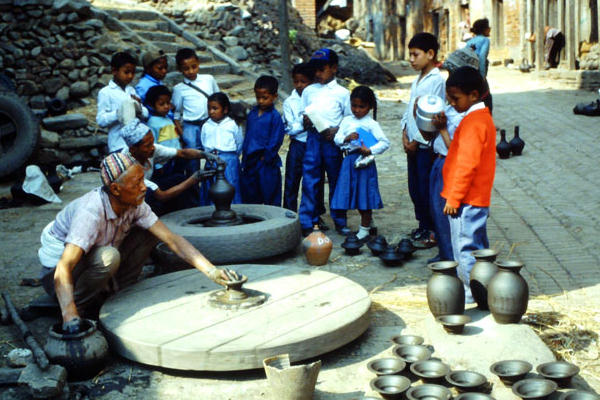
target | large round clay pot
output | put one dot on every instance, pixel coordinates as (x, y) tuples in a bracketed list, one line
[(82, 354), (445, 292), (317, 248), (481, 274), (508, 293)]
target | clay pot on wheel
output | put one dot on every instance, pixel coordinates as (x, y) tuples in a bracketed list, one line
[(503, 148), (317, 248), (508, 293), (83, 354), (445, 292), (481, 274)]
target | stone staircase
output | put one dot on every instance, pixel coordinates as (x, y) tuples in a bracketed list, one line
[(157, 29)]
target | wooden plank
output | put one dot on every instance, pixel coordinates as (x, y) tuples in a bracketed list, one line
[(308, 312)]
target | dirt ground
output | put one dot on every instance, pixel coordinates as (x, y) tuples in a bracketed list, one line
[(398, 294)]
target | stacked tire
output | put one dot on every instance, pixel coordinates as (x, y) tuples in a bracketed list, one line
[(19, 132)]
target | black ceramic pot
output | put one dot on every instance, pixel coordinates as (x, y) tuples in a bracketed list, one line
[(391, 257), (516, 144), (503, 148), (406, 247), (352, 245), (82, 354), (377, 245), (445, 292), (481, 274), (508, 293)]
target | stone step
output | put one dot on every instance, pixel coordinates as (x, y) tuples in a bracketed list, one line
[(154, 36), (168, 47), (202, 57), (134, 15), (147, 26), (214, 68), (228, 81)]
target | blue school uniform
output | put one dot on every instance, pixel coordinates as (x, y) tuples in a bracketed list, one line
[(223, 138), (260, 180), (419, 163), (358, 189), (333, 103)]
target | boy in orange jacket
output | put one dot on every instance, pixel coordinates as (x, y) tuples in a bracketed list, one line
[(469, 170)]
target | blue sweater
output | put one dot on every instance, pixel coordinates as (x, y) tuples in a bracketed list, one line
[(264, 136), (481, 45)]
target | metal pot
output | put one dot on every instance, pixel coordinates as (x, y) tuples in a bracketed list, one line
[(427, 107)]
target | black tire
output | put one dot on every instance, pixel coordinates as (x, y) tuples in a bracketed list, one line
[(7, 84), (19, 133), (277, 232)]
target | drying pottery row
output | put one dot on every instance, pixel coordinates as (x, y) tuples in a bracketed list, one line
[(395, 376), (515, 146), (389, 254), (495, 285)]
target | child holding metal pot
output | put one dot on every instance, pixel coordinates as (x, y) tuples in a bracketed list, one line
[(468, 172)]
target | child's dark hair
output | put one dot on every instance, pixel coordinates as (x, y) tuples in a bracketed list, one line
[(480, 26), (304, 69), (154, 93), (267, 82), (424, 41), (222, 99), (121, 58), (365, 94), (184, 54), (466, 79)]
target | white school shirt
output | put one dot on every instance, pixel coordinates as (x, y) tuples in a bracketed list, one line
[(453, 119), (110, 99), (190, 104), (224, 135), (293, 117), (351, 123), (432, 83), (331, 99)]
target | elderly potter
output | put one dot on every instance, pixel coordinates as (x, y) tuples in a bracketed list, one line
[(98, 243)]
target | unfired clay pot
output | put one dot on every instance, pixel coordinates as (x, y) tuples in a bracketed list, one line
[(317, 248), (445, 292), (508, 293), (481, 274)]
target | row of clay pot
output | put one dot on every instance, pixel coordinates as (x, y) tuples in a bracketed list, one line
[(495, 285)]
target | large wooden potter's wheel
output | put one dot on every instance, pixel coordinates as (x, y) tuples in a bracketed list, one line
[(168, 321)]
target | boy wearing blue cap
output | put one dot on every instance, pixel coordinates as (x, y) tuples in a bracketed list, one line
[(327, 102)]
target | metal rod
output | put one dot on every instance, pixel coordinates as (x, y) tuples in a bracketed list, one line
[(38, 352)]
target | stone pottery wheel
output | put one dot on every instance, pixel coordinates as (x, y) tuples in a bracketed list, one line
[(170, 321)]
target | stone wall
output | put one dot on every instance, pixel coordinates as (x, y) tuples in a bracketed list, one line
[(60, 49)]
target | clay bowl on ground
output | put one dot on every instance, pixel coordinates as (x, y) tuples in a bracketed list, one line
[(578, 395), (473, 396), (534, 389), (430, 371), (466, 381), (411, 353), (407, 339), (560, 372), (391, 387), (510, 371), (386, 366), (454, 323), (428, 391)]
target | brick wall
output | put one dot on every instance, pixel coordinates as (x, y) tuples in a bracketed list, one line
[(512, 27), (307, 10)]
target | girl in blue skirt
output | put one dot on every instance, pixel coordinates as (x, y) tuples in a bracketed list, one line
[(360, 136)]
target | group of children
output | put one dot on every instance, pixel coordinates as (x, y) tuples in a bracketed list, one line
[(333, 133)]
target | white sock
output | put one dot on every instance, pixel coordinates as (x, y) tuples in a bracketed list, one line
[(362, 232)]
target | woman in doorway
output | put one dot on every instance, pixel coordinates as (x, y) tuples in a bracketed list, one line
[(481, 43)]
